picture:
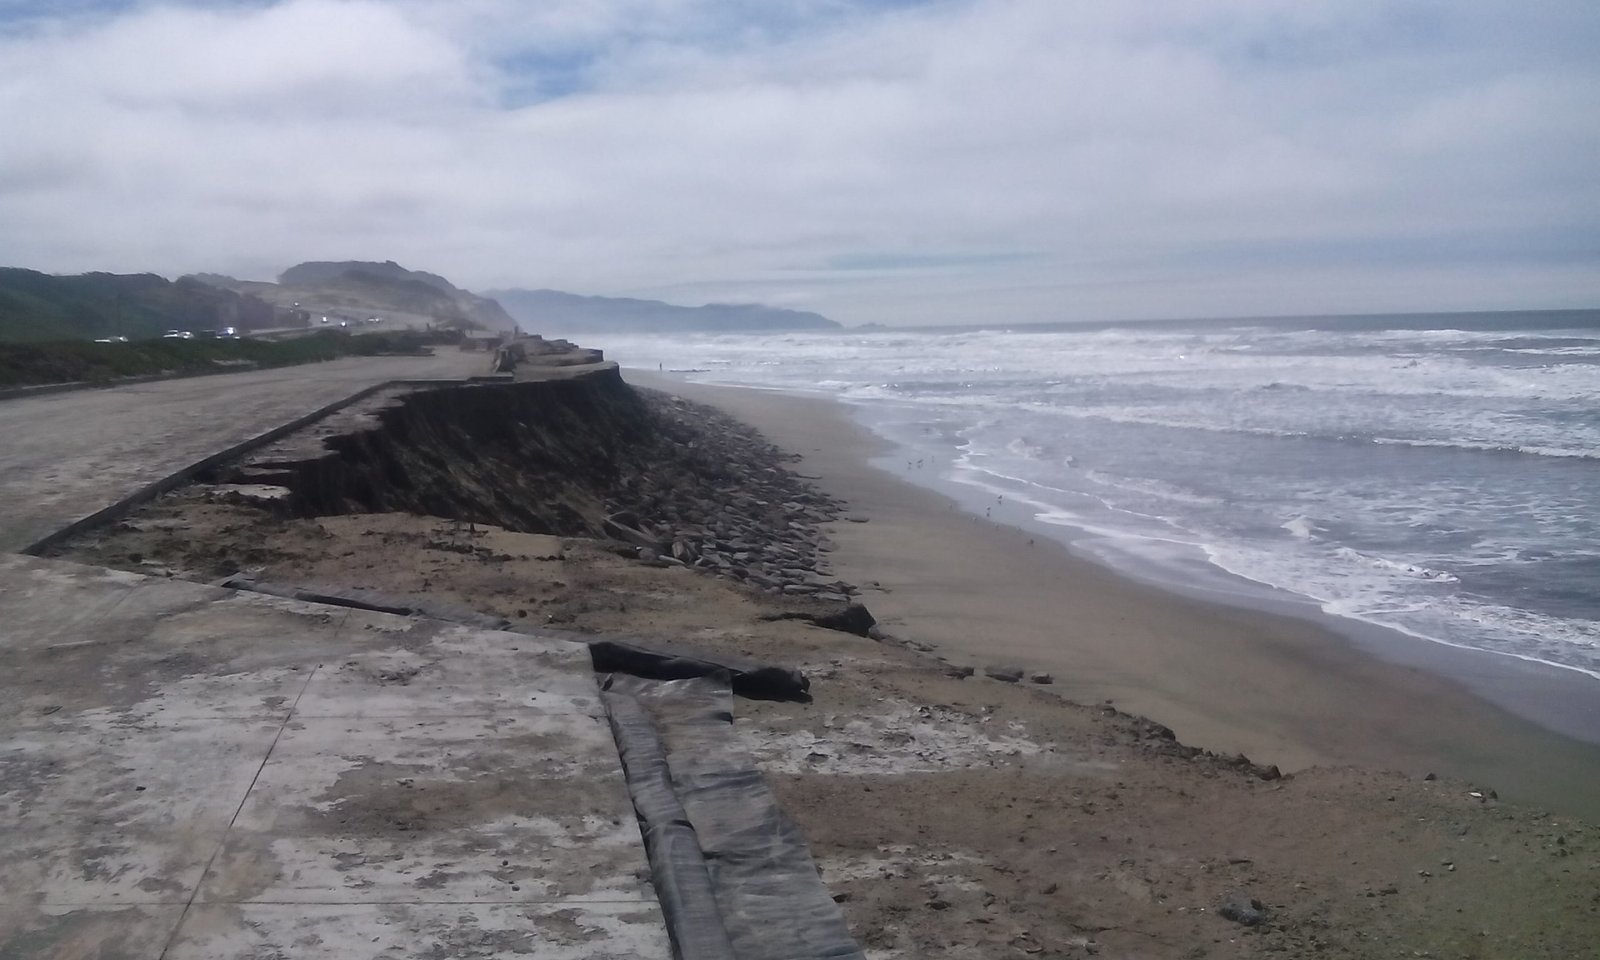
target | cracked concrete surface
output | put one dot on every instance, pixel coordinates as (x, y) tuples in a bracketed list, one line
[(190, 772)]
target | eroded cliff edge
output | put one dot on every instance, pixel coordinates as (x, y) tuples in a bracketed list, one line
[(657, 477)]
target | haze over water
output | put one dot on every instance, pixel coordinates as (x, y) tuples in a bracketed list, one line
[(1436, 474)]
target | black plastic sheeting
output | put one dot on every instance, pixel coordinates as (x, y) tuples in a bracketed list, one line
[(847, 617), (730, 867), (677, 866), (748, 679)]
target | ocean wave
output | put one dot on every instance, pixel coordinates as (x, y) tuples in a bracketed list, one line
[(1390, 595), (1554, 351), (1485, 446), (1150, 488), (1301, 528), (926, 367), (1026, 449), (1394, 595), (1181, 423), (1548, 642), (972, 474), (1047, 502), (1415, 570)]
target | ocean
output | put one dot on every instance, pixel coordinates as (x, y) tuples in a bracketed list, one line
[(1438, 475)]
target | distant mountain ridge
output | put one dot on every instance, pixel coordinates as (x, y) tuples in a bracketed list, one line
[(41, 306), (557, 312), (314, 272), (353, 290)]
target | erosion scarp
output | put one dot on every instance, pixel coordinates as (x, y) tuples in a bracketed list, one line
[(666, 480)]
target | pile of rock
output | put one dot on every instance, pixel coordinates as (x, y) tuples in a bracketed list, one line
[(721, 498)]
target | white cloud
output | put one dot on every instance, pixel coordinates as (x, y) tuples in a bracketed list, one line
[(1021, 159)]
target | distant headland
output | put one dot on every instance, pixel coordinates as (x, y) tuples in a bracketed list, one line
[(569, 313)]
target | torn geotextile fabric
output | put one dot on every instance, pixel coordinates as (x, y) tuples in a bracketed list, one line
[(749, 679), (769, 898), (677, 867)]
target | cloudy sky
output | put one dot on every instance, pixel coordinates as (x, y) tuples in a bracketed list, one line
[(895, 161)]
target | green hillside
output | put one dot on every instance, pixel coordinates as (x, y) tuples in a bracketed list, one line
[(40, 306), (33, 363)]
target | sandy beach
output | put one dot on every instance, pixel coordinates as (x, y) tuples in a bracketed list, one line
[(1280, 689)]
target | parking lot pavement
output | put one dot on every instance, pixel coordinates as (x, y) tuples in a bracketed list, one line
[(64, 456)]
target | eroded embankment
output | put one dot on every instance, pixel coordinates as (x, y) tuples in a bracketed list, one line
[(589, 457)]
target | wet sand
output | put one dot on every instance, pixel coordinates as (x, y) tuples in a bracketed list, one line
[(1281, 689)]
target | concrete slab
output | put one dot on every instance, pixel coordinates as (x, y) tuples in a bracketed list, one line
[(446, 809), (179, 764), (43, 603), (485, 931), (97, 812), (459, 671), (89, 932), (163, 650)]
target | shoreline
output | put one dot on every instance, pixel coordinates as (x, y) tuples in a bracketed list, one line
[(1561, 699), (1278, 687)]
